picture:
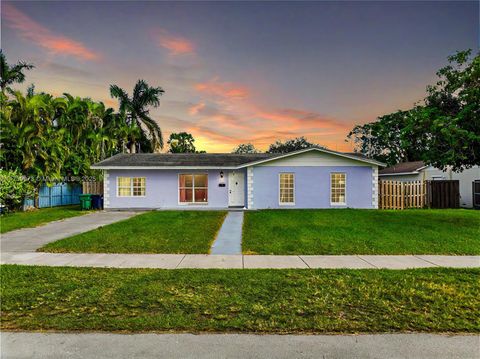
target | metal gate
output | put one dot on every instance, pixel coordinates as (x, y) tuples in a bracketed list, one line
[(57, 195)]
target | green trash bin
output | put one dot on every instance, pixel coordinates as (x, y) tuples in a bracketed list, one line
[(86, 201)]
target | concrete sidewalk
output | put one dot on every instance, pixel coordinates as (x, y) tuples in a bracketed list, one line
[(29, 239), (104, 345), (204, 261)]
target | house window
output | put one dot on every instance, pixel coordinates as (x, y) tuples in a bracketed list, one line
[(131, 186), (337, 188), (193, 188), (287, 188)]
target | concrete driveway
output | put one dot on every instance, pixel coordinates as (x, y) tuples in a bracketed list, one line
[(30, 239)]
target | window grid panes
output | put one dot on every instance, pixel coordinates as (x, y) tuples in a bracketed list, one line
[(338, 186), (131, 186), (287, 195), (193, 188)]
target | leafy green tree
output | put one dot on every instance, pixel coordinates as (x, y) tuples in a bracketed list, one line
[(29, 140), (245, 148), (443, 130), (136, 111), (451, 115), (294, 144), (86, 135), (386, 139), (182, 142), (14, 187), (11, 74)]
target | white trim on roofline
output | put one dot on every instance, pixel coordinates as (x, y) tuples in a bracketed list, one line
[(163, 167), (399, 174), (352, 157)]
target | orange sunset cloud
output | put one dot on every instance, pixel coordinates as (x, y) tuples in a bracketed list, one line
[(226, 122), (226, 90), (31, 30), (176, 45)]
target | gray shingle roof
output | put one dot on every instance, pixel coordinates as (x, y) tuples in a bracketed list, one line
[(206, 160), (182, 159), (404, 167)]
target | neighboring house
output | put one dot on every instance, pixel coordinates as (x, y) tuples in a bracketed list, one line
[(310, 178), (418, 171)]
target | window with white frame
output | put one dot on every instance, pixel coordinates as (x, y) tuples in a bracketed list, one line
[(287, 188), (131, 186), (338, 183), (193, 188)]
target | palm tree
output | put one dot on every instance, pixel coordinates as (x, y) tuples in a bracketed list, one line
[(136, 111), (12, 74)]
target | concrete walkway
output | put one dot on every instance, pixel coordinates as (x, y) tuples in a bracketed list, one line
[(229, 238), (115, 346), (204, 261), (29, 239)]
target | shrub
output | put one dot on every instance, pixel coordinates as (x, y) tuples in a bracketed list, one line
[(14, 187)]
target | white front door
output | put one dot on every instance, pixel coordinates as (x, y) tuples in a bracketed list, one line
[(236, 189)]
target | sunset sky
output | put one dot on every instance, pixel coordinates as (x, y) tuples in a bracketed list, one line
[(244, 71)]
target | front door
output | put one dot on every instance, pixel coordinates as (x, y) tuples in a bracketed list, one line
[(236, 189)]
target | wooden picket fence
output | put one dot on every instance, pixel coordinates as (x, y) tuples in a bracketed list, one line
[(401, 195), (92, 187)]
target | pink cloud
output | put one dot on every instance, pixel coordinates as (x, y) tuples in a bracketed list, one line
[(195, 109), (226, 121), (227, 90), (176, 45), (32, 31)]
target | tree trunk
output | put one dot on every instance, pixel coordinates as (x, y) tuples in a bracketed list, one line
[(36, 198), (132, 147)]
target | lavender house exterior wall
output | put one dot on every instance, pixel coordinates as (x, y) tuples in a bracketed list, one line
[(312, 186), (312, 171), (162, 189)]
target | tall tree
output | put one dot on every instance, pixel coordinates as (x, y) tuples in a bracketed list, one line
[(294, 144), (182, 142), (136, 110), (11, 74), (245, 148), (443, 130), (386, 139)]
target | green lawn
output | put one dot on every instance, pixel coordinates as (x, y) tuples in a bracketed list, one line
[(350, 231), (17, 220), (277, 301), (151, 232)]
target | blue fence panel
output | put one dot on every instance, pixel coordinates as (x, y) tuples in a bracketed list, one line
[(61, 194)]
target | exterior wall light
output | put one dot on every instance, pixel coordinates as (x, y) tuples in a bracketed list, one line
[(221, 182)]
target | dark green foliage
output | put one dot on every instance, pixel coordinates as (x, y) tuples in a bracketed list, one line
[(137, 114), (182, 142), (245, 148), (11, 74), (298, 143), (14, 187), (442, 131)]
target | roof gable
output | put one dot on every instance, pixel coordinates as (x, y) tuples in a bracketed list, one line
[(315, 157)]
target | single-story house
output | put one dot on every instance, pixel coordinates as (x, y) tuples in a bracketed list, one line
[(308, 178), (419, 171)]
